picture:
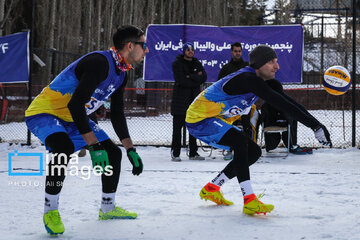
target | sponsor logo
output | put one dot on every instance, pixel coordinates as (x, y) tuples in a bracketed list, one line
[(243, 191), (110, 88), (47, 202), (106, 201), (91, 104), (221, 182), (235, 110), (99, 91)]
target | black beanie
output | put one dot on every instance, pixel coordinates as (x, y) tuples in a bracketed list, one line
[(260, 55)]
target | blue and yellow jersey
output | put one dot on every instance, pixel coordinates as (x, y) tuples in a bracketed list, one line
[(214, 102), (55, 97)]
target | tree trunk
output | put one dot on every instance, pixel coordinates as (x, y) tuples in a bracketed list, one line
[(162, 12), (62, 34), (2, 15), (125, 11), (51, 32), (88, 34), (98, 25), (109, 11), (131, 20)]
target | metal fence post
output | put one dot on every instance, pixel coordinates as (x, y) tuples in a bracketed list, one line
[(353, 138), (28, 142)]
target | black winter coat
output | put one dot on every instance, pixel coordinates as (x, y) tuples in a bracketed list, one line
[(231, 67), (187, 83)]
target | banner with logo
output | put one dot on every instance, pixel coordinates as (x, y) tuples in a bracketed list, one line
[(14, 58), (213, 46)]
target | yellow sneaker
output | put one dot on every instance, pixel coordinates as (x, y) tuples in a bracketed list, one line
[(212, 192), (53, 223), (117, 213), (252, 205)]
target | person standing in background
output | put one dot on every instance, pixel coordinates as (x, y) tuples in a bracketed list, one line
[(235, 63), (189, 74)]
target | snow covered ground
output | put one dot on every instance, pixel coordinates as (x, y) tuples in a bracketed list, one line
[(315, 196)]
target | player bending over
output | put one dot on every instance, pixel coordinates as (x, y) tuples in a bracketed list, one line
[(58, 116), (210, 117)]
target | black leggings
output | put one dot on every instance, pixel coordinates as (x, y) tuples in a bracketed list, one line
[(246, 153), (178, 124), (61, 143)]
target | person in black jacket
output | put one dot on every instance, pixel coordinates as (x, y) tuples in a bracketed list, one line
[(235, 63), (189, 74)]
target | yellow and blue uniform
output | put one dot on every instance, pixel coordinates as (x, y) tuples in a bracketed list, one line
[(49, 112), (213, 111)]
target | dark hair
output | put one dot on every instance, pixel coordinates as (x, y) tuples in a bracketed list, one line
[(236, 44), (125, 34)]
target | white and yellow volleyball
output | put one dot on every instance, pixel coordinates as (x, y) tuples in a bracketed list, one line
[(336, 80)]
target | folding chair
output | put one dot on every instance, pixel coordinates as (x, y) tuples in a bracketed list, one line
[(276, 129), (204, 147)]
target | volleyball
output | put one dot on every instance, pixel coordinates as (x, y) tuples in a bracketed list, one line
[(337, 80)]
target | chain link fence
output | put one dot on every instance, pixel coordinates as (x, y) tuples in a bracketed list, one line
[(150, 123), (328, 42)]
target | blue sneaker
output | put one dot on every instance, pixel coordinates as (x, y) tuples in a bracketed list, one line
[(295, 149), (308, 150)]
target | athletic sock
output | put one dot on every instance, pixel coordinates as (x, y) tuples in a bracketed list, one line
[(107, 202), (51, 202), (246, 188), (220, 179)]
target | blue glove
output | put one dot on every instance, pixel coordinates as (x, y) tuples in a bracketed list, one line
[(99, 156), (135, 161), (323, 135)]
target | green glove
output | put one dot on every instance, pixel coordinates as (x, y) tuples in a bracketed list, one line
[(99, 156), (135, 161)]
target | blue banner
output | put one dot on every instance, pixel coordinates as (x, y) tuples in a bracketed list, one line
[(213, 48), (14, 58)]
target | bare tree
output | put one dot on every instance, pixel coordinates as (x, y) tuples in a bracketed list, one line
[(282, 13), (51, 41), (88, 26), (2, 15), (78, 27), (98, 25), (5, 17), (162, 11), (131, 18), (62, 33), (109, 11)]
